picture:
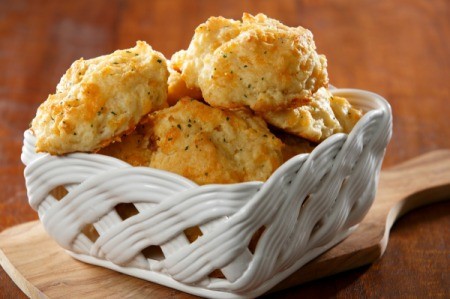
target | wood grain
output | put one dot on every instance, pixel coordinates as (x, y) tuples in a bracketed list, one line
[(398, 49), (42, 269)]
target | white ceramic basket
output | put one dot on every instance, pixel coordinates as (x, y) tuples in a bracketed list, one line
[(308, 205)]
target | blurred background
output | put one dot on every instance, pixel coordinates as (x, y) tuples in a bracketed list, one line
[(398, 49)]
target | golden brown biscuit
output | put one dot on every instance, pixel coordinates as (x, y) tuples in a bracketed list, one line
[(204, 144), (315, 119), (259, 63), (99, 99), (178, 89)]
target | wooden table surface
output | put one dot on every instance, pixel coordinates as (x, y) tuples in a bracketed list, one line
[(399, 49)]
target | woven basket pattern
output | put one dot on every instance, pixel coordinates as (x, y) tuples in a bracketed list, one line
[(308, 205)]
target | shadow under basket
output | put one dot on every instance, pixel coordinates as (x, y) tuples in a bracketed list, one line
[(219, 241)]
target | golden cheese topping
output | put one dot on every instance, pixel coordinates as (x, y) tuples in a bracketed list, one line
[(98, 100)]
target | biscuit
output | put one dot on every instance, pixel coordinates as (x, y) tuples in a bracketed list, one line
[(100, 99), (317, 118), (258, 63), (204, 144)]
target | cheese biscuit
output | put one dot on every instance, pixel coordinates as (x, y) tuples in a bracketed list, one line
[(202, 143), (257, 62), (98, 100)]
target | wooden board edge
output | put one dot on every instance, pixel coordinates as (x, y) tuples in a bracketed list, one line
[(21, 282)]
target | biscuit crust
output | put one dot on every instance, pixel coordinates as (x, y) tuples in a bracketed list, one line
[(258, 63), (100, 99)]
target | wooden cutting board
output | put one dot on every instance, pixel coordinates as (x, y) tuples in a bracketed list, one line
[(42, 269)]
